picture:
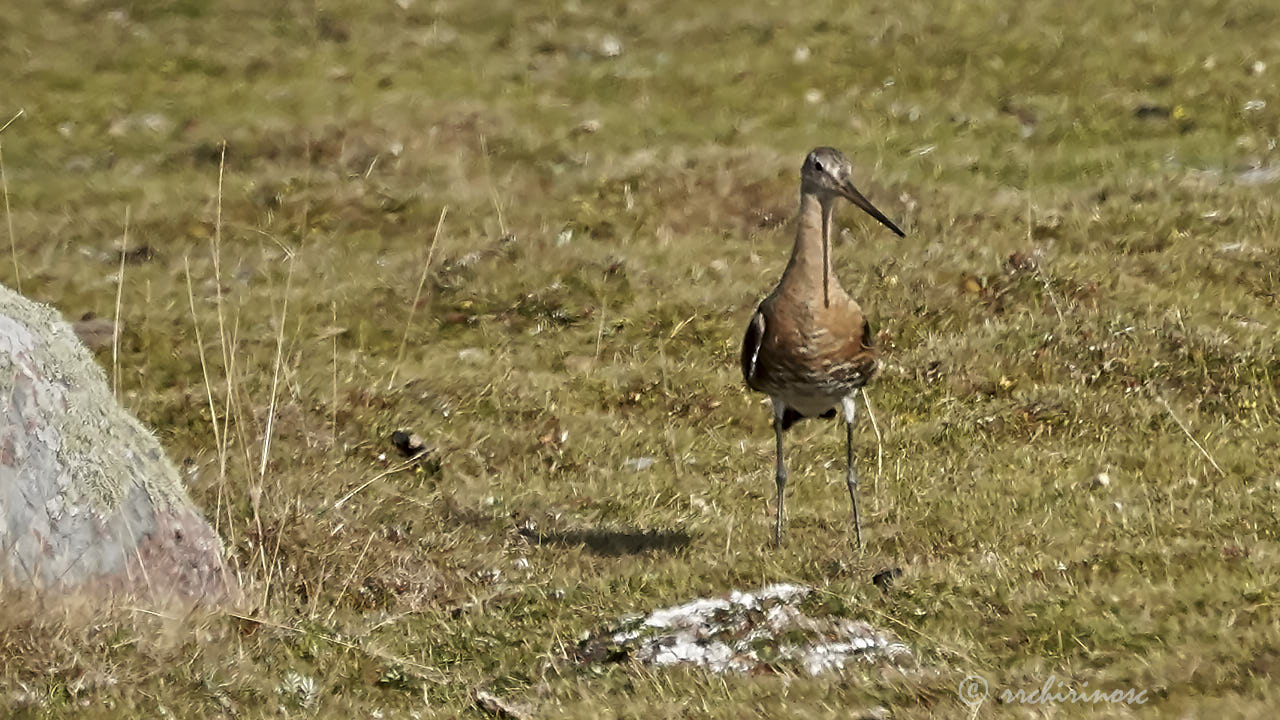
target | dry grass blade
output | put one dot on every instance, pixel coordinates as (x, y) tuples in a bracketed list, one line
[(275, 374), (355, 568), (390, 471), (333, 414), (267, 435), (423, 672), (417, 297), (115, 330), (1187, 431), (604, 309), (8, 214), (1039, 271), (227, 360), (875, 427), (229, 530), (493, 190), (20, 113)]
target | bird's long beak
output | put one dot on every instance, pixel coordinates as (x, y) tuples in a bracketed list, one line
[(852, 195)]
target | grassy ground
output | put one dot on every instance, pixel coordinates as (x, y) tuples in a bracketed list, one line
[(1090, 260)]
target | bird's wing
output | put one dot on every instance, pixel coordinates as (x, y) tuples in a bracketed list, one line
[(868, 341), (751, 346), (859, 358)]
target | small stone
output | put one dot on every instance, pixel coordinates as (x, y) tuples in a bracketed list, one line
[(409, 444), (813, 96), (1101, 480), (1021, 261), (1257, 68), (156, 122), (329, 28), (1148, 111), (801, 55), (1258, 176), (138, 255), (496, 707), (95, 332), (884, 579), (610, 46), (579, 364), (639, 464), (412, 446)]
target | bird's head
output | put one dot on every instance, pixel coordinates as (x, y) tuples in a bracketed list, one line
[(828, 173)]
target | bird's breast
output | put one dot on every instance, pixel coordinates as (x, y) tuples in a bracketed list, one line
[(816, 350)]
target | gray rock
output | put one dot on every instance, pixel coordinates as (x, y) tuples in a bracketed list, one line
[(88, 498)]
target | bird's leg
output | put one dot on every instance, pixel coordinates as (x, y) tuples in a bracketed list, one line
[(851, 479), (781, 477)]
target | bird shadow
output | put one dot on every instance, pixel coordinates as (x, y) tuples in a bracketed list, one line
[(612, 543)]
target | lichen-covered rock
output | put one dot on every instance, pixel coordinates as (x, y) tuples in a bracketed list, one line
[(775, 628), (87, 496)]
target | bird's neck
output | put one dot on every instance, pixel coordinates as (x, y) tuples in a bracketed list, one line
[(810, 261)]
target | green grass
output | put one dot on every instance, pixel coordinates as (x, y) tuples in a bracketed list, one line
[(584, 305)]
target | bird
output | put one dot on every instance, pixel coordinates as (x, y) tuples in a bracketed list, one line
[(809, 345)]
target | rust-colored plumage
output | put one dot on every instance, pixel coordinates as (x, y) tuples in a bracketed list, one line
[(809, 346)]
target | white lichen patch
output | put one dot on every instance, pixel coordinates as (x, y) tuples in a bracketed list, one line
[(97, 441), (299, 689), (773, 628)]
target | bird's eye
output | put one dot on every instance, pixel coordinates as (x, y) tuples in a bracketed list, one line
[(817, 166)]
